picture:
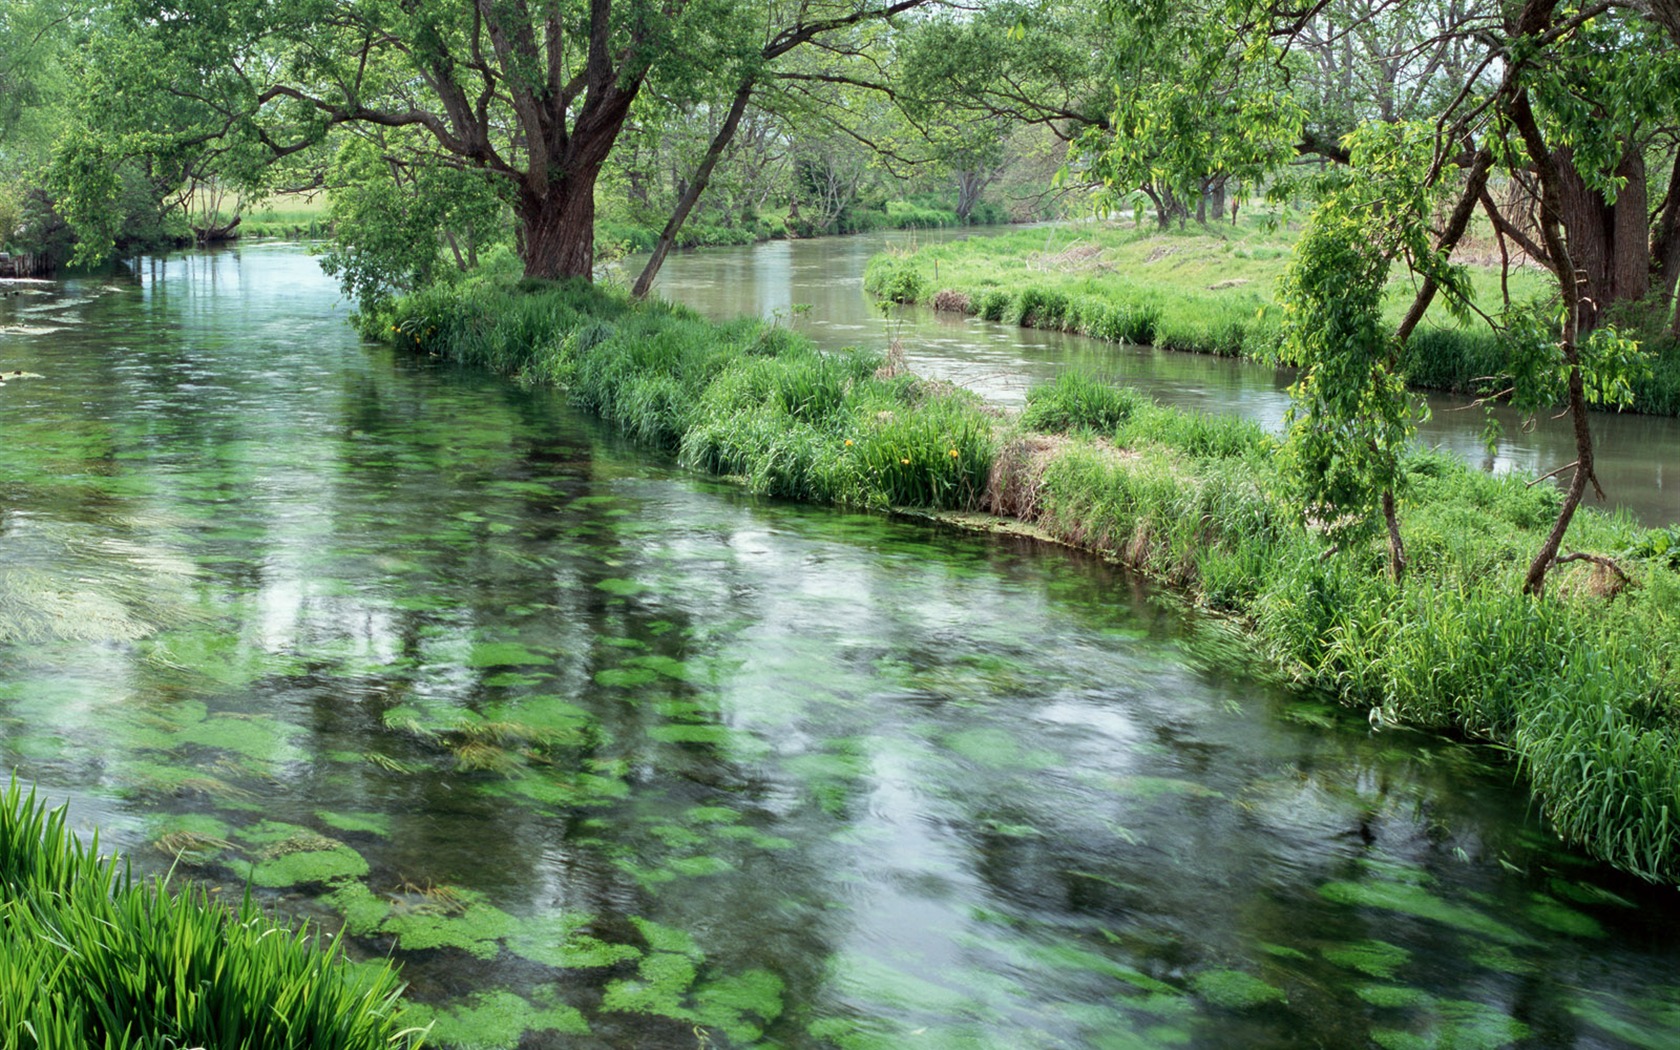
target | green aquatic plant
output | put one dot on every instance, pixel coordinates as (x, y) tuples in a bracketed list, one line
[(306, 859), (1235, 990), (1373, 958), (1418, 902), (92, 956), (497, 1020)]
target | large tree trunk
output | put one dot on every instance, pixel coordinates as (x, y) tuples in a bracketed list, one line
[(557, 228), (1665, 246), (1607, 242)]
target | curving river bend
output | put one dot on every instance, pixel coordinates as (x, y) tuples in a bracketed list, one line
[(607, 755), (1638, 457)]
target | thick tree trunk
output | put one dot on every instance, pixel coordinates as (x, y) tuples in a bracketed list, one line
[(557, 228), (1608, 242), (970, 184), (1665, 247)]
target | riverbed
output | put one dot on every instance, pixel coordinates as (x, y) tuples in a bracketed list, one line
[(606, 755)]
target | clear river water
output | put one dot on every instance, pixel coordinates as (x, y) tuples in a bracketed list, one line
[(606, 755)]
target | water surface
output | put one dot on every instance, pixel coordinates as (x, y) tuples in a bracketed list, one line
[(605, 755)]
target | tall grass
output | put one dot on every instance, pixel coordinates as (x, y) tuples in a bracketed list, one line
[(748, 400), (94, 957), (1581, 687)]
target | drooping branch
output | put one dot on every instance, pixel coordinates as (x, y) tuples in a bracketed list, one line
[(1457, 223)]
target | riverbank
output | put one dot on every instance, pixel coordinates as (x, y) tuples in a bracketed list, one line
[(1204, 290), (1579, 688), (95, 957)]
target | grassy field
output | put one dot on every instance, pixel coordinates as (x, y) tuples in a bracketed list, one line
[(1206, 290), (1579, 687), (293, 217)]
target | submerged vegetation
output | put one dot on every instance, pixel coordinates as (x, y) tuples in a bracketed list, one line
[(1578, 687), (96, 957)]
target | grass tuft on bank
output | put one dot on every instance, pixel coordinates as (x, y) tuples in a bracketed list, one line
[(1201, 290), (92, 956), (1581, 688)]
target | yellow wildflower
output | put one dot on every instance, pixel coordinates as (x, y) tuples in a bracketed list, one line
[(848, 442), (953, 453)]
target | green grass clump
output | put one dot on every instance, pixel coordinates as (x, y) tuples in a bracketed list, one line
[(94, 957), (1075, 401)]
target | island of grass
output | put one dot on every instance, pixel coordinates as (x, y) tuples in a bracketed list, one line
[(1579, 687), (1209, 289), (91, 956)]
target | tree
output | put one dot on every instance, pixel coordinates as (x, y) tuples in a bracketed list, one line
[(1568, 103), (1352, 420), (535, 95)]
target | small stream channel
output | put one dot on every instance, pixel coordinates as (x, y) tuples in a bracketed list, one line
[(606, 755), (1638, 457)]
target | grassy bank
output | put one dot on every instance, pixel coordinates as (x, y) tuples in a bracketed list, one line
[(1579, 687), (921, 214), (1203, 291), (91, 956)]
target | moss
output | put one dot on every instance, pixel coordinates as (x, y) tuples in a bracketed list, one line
[(305, 866), (1074, 957), (715, 735), (558, 941), (1560, 918), (476, 929), (363, 911), (998, 749), (1393, 996), (367, 823), (625, 677), (740, 1005), (1235, 990), (662, 981), (503, 654)]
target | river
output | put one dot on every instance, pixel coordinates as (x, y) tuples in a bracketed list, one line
[(1637, 457), (606, 755)]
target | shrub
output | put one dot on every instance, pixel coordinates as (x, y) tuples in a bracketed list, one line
[(1075, 401)]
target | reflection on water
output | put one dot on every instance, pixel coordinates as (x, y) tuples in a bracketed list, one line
[(609, 756), (1003, 361)]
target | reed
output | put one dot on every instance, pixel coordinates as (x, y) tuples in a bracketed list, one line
[(93, 956)]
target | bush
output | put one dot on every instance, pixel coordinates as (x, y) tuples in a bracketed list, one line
[(896, 279)]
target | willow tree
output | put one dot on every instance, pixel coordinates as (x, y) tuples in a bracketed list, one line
[(535, 93)]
